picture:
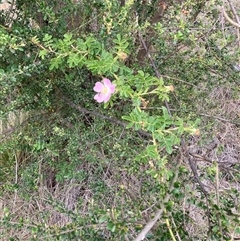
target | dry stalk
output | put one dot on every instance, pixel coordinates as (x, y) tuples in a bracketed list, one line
[(218, 200)]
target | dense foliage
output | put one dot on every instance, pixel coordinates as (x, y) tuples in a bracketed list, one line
[(76, 169)]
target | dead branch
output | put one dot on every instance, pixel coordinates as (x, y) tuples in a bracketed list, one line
[(229, 19), (234, 11)]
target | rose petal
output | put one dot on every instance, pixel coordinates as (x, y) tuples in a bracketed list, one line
[(106, 82), (105, 89), (107, 97), (98, 87), (99, 97), (111, 87)]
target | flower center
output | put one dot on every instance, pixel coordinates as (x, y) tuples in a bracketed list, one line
[(104, 90)]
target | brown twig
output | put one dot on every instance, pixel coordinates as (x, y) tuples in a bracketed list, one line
[(234, 11), (237, 19), (229, 19), (179, 80), (193, 167), (220, 118), (221, 164)]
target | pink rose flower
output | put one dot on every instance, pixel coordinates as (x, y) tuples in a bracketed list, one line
[(104, 90)]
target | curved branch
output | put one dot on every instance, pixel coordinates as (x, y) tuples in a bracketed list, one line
[(229, 19), (234, 11)]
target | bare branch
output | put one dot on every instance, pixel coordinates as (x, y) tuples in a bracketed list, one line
[(229, 19), (236, 67), (234, 11)]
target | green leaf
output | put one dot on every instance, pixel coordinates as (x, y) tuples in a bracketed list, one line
[(125, 91), (73, 60), (47, 37), (67, 37), (103, 219), (141, 73), (169, 149), (119, 37), (43, 53), (237, 230), (129, 125), (111, 226), (55, 62), (152, 151)]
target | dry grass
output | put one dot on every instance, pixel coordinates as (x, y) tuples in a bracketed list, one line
[(221, 147)]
